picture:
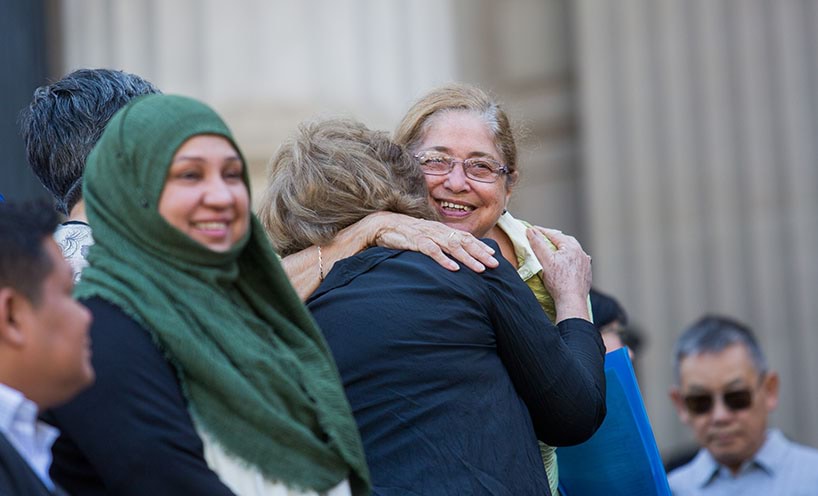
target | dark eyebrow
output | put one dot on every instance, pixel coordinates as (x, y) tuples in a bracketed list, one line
[(735, 382), (197, 158)]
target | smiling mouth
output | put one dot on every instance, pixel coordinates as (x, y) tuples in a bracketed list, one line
[(210, 226), (448, 206)]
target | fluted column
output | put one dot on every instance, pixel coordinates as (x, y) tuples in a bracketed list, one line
[(698, 123)]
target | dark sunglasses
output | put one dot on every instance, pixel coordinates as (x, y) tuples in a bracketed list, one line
[(700, 404)]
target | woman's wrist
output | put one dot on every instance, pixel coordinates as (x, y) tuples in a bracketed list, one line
[(348, 242), (573, 307)]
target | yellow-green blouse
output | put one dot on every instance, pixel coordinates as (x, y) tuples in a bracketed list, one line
[(529, 268)]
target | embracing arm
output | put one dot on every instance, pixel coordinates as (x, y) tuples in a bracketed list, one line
[(558, 372), (389, 230), (130, 433), (306, 268)]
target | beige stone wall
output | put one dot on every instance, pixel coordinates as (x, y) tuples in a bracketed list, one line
[(674, 138), (267, 65), (520, 50)]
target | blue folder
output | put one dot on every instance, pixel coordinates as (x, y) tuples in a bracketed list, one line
[(621, 458)]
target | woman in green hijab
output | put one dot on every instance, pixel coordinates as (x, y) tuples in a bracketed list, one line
[(212, 377)]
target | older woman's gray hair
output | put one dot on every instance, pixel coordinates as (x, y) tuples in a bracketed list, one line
[(330, 175), (460, 97), (712, 334)]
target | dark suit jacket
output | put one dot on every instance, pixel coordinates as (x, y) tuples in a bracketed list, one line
[(16, 476)]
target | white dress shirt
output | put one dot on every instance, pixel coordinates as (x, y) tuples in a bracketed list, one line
[(31, 438)]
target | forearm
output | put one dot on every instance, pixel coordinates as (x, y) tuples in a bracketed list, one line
[(389, 230), (582, 378), (562, 385), (558, 372), (306, 269), (302, 269)]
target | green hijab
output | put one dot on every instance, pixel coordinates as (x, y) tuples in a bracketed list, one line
[(252, 363)]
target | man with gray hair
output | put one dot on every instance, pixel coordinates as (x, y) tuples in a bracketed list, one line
[(60, 128), (725, 392)]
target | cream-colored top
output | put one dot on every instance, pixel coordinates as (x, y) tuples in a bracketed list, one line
[(528, 265), (244, 480)]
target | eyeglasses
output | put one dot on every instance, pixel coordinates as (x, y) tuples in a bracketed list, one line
[(484, 170), (699, 404)]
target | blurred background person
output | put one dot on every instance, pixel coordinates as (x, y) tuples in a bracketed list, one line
[(613, 323), (45, 355), (480, 339), (60, 127), (610, 320), (212, 377), (725, 393)]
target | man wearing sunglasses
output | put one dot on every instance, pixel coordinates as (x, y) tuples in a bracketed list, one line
[(724, 392)]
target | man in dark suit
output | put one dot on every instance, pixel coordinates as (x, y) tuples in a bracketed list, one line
[(44, 345)]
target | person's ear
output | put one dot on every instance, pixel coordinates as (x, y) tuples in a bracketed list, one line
[(507, 198), (511, 181), (676, 397), (12, 304), (770, 388)]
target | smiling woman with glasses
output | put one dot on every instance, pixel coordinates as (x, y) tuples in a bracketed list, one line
[(725, 393)]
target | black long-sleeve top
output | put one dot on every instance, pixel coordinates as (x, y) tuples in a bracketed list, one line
[(453, 376), (130, 433)]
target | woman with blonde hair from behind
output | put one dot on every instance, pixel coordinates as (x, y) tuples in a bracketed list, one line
[(452, 375)]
